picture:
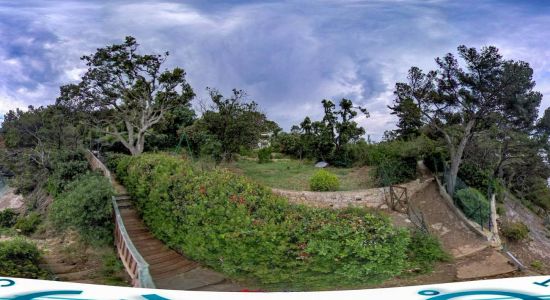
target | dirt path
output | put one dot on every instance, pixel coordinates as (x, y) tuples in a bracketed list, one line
[(474, 258), (455, 236)]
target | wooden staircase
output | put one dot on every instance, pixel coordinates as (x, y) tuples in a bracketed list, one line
[(169, 269)]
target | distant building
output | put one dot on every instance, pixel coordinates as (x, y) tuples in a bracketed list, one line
[(265, 140)]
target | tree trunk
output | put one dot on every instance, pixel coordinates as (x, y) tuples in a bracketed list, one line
[(456, 158)]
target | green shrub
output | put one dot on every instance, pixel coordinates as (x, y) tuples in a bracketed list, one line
[(67, 166), (395, 170), (242, 229), (264, 155), (86, 206), (435, 161), (539, 194), (424, 250), (474, 205), (8, 218), (537, 265), (27, 225), (475, 177), (515, 231), (324, 181), (20, 258)]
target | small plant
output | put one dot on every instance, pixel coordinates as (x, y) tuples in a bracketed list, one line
[(537, 265), (501, 210), (474, 205), (264, 155), (515, 231), (27, 225), (8, 218), (20, 258), (324, 181)]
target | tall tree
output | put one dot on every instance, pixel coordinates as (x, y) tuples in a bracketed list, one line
[(234, 121), (126, 93), (409, 119), (456, 101)]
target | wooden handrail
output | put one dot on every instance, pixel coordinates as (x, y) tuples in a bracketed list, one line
[(133, 262)]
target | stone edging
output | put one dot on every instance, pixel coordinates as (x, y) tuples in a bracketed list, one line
[(373, 198)]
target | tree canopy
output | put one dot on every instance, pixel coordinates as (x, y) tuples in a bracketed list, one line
[(125, 93), (461, 100)]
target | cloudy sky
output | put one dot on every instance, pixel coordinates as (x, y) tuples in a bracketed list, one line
[(287, 55)]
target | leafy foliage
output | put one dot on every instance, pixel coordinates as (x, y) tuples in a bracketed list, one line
[(86, 206), (27, 225), (126, 93), (459, 102), (242, 229), (8, 218), (230, 124), (20, 258), (324, 181), (474, 205), (424, 250), (515, 231), (264, 155), (475, 177), (67, 166)]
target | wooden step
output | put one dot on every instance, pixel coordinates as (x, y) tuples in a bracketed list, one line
[(179, 267), (59, 268), (155, 259), (122, 197), (85, 274), (165, 265)]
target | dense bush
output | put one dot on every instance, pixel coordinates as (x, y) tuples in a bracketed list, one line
[(28, 224), (474, 205), (515, 231), (324, 181), (242, 229), (475, 177), (264, 155), (395, 170), (20, 258), (539, 194), (435, 161), (66, 167), (86, 206), (423, 250), (8, 218)]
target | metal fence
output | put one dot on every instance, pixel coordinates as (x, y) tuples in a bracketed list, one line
[(478, 212)]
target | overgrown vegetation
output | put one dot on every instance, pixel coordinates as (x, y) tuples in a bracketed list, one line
[(514, 231), (28, 224), (86, 206), (324, 181), (241, 229), (20, 258), (474, 205), (264, 155)]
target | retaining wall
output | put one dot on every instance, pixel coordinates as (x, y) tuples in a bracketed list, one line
[(374, 198)]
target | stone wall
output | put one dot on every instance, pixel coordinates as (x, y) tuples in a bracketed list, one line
[(374, 198)]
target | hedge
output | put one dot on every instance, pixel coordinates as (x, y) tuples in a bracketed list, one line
[(242, 229)]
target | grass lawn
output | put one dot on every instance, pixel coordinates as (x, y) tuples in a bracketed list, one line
[(295, 174)]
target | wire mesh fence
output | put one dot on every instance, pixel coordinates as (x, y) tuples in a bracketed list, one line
[(475, 204)]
